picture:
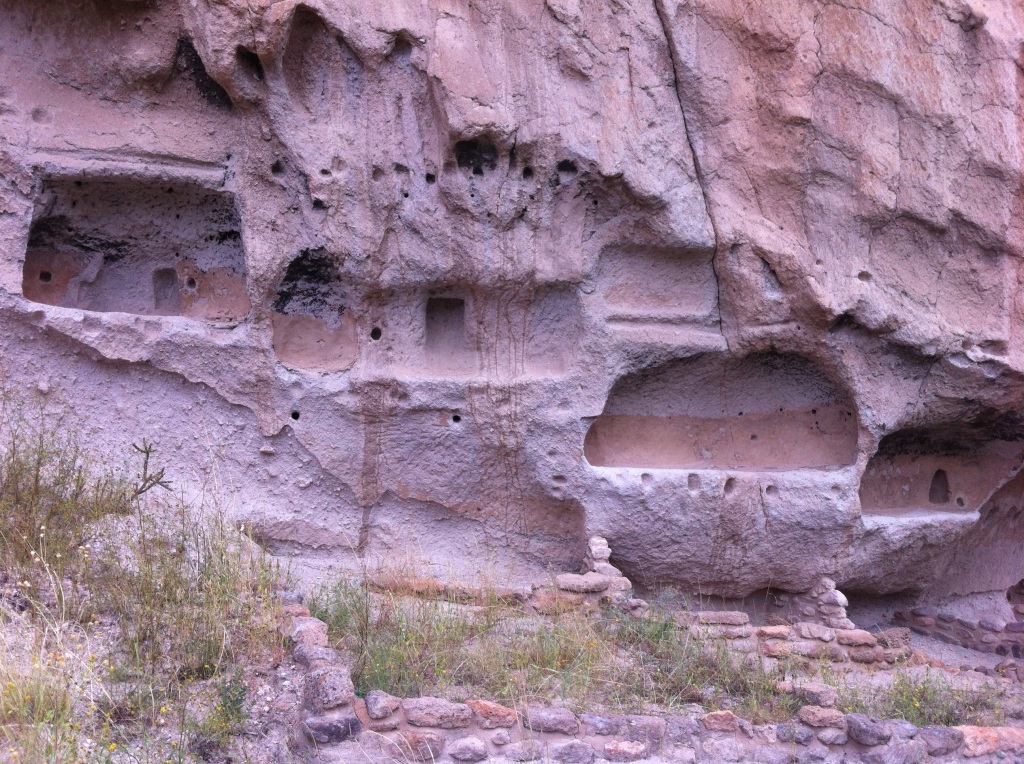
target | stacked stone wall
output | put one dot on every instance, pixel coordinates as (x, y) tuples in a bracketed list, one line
[(385, 728), (987, 635)]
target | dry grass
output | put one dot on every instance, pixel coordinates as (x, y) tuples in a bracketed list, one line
[(141, 607), (411, 646), (923, 698)]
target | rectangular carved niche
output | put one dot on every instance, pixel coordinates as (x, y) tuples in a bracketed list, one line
[(932, 470), (447, 343), (644, 285), (139, 246)]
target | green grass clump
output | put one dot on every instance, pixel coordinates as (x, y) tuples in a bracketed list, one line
[(51, 491)]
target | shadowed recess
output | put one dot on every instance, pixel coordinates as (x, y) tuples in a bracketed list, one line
[(188, 63), (953, 466), (313, 329), (136, 246)]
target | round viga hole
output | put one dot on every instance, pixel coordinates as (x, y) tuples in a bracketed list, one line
[(456, 418), (771, 490), (45, 276), (190, 283), (295, 415), (960, 501), (375, 333)]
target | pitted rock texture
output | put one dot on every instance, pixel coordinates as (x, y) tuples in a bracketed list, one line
[(731, 285)]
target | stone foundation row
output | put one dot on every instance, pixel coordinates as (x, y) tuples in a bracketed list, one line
[(987, 636), (384, 728), (732, 630)]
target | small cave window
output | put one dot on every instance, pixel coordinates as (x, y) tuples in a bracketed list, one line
[(166, 295), (446, 324), (476, 156), (375, 333), (313, 326), (938, 492), (45, 276), (250, 62)]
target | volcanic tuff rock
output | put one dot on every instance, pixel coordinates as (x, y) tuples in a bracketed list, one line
[(730, 284)]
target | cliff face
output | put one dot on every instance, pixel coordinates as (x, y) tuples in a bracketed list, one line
[(731, 284)]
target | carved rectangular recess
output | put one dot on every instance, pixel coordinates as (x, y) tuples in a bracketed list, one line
[(658, 285), (136, 245), (767, 411), (447, 341), (933, 470), (312, 319)]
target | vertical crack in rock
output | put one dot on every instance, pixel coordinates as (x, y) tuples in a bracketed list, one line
[(666, 28)]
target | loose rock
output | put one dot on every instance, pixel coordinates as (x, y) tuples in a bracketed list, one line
[(941, 741), (816, 716), (468, 749), (306, 654), (490, 715), (525, 750), (626, 750), (380, 705), (720, 721), (333, 730), (421, 746), (867, 730), (572, 752), (586, 583), (328, 687), (437, 712), (543, 719), (310, 631)]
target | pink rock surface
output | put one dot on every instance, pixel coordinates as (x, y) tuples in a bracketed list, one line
[(731, 285), (981, 741)]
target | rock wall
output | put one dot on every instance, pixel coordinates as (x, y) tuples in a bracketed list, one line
[(732, 285)]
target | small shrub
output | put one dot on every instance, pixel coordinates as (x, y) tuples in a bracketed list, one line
[(36, 696), (36, 709)]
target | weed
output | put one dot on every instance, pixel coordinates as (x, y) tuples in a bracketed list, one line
[(51, 493), (921, 699), (189, 594)]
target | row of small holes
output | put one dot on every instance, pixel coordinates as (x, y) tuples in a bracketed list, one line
[(456, 418), (46, 277)]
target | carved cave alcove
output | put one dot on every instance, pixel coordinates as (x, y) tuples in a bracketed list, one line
[(142, 246), (767, 411), (313, 326), (952, 467)]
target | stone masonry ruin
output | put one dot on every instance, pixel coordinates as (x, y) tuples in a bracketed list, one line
[(736, 288)]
